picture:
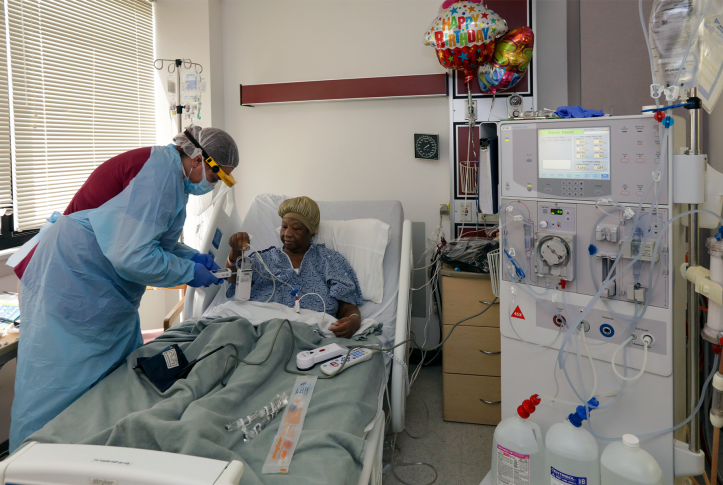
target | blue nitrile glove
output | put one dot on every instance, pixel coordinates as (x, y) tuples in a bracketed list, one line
[(206, 260), (203, 277)]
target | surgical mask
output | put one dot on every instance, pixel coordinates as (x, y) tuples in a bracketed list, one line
[(203, 187)]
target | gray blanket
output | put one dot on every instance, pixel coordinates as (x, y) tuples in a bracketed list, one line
[(125, 409)]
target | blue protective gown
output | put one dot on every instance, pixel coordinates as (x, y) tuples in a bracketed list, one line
[(81, 291)]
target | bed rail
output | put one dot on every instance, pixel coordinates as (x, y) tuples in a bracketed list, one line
[(399, 391)]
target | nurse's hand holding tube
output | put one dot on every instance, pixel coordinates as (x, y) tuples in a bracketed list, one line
[(206, 260), (203, 277)]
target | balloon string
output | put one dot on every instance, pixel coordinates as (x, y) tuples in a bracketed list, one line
[(469, 171)]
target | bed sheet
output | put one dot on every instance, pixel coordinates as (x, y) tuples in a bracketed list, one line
[(125, 409), (257, 312)]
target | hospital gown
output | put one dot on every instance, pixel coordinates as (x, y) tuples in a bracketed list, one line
[(322, 271)]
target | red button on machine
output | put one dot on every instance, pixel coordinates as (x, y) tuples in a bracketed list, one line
[(625, 192), (625, 160), (639, 160)]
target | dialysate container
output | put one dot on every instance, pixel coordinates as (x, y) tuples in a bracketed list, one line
[(571, 452), (518, 452), (625, 463)]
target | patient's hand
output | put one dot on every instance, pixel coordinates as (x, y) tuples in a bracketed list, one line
[(346, 327), (239, 242)]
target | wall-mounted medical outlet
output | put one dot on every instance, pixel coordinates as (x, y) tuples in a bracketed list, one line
[(466, 211)]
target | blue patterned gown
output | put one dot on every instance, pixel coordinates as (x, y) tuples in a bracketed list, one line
[(322, 271)]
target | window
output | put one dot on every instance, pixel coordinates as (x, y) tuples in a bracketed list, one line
[(81, 78)]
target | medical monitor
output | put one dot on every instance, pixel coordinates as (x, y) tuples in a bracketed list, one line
[(574, 153)]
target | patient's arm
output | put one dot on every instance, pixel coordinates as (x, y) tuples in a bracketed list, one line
[(348, 322)]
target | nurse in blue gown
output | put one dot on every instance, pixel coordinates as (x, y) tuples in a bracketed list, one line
[(82, 288)]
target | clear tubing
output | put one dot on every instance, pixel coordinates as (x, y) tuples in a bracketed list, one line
[(536, 344), (655, 251), (579, 365), (592, 364), (642, 368), (668, 430), (598, 294), (652, 266)]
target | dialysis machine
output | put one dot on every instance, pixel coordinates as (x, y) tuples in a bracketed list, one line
[(570, 203)]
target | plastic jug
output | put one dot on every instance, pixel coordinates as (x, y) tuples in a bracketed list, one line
[(571, 452), (625, 463), (518, 452)]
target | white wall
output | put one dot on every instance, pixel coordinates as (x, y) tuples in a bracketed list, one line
[(348, 150)]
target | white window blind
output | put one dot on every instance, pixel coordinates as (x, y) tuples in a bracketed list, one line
[(83, 85), (6, 194)]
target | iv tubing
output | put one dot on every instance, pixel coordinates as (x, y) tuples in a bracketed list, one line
[(642, 369), (679, 425)]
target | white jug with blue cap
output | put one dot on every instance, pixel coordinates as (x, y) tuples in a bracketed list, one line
[(626, 463), (571, 452)]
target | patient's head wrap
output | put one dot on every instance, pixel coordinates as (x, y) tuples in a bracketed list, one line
[(304, 210), (217, 143)]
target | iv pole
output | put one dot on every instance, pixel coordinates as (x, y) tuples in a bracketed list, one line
[(175, 66)]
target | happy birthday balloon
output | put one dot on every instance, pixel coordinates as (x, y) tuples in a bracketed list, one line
[(464, 36), (509, 64), (448, 3)]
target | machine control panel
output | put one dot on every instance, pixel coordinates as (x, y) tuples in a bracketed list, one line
[(556, 217), (581, 159)]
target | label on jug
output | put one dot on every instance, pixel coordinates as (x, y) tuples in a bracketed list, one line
[(512, 468), (559, 478)]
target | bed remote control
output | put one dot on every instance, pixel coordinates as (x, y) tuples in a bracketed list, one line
[(309, 358), (356, 356)]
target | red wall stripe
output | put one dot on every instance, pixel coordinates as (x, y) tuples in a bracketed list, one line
[(340, 89)]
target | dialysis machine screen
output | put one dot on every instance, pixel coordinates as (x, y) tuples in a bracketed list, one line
[(579, 153)]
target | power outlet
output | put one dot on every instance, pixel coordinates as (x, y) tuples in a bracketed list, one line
[(481, 218), (465, 211)]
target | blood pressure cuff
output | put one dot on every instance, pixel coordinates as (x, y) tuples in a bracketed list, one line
[(164, 368)]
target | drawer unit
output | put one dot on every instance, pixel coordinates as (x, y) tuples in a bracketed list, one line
[(472, 353), (472, 399), (461, 297), (472, 350)]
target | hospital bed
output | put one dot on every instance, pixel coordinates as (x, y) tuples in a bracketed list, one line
[(393, 311)]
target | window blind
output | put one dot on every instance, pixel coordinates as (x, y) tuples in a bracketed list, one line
[(83, 85), (6, 194)]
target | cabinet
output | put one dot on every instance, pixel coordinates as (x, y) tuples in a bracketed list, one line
[(471, 355)]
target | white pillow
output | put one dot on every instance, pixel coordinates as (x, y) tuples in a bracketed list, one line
[(363, 243)]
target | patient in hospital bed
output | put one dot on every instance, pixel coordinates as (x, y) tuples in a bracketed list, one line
[(325, 281)]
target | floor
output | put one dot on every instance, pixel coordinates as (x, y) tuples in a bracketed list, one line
[(459, 452)]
